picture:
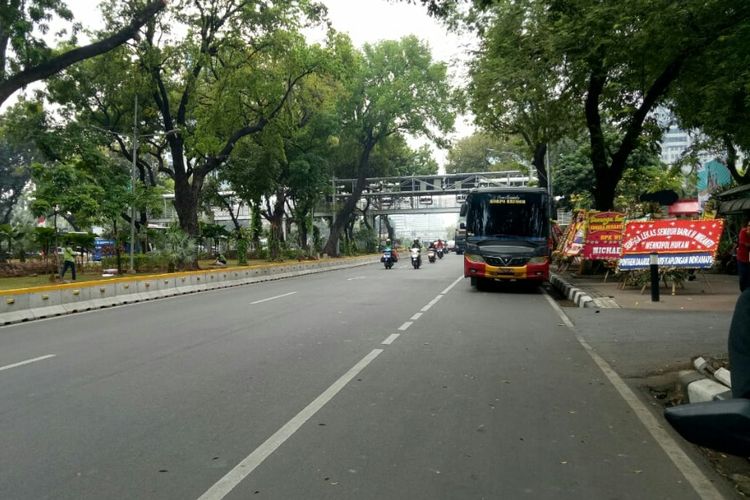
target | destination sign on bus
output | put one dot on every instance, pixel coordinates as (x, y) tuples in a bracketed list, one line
[(507, 200)]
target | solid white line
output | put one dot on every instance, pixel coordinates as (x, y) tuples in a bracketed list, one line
[(431, 303), (416, 316), (21, 363), (405, 325), (458, 280), (684, 464), (391, 338), (249, 464), (272, 298)]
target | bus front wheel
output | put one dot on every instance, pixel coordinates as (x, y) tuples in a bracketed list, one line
[(478, 283)]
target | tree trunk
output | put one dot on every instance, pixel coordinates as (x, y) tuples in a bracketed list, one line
[(389, 228), (343, 216), (540, 151), (61, 61), (276, 219), (186, 202), (740, 179)]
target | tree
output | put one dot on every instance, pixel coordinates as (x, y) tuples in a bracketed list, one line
[(616, 59), (711, 95), (20, 127), (26, 58), (394, 157), (622, 59), (395, 88), (482, 152), (98, 107), (226, 80), (65, 189), (644, 174), (518, 88)]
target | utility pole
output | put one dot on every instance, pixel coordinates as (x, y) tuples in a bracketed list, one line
[(131, 268)]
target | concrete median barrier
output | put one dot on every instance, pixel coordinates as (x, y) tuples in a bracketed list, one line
[(55, 300)]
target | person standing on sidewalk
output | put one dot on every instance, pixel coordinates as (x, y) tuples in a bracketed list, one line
[(69, 261), (743, 255)]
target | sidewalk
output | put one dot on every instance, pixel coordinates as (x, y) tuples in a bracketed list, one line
[(708, 292), (639, 337)]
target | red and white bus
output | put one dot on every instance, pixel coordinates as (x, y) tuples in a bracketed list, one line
[(507, 235)]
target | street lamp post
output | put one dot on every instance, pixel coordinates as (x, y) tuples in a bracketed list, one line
[(131, 267)]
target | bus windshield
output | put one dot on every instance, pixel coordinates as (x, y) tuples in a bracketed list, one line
[(507, 215)]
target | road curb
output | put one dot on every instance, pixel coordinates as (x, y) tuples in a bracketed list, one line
[(579, 296), (574, 294), (268, 274)]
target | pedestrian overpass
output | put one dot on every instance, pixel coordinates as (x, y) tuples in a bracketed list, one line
[(419, 194), (415, 194)]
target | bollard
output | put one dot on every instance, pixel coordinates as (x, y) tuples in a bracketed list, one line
[(653, 261)]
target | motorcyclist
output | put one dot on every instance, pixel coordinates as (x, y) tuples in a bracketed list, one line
[(392, 249), (416, 244)]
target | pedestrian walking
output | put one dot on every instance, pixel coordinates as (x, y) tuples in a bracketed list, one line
[(743, 255), (69, 261)]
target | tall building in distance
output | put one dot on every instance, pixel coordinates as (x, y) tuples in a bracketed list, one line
[(676, 141)]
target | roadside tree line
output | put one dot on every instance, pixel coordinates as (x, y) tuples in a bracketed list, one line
[(217, 95), (228, 95)]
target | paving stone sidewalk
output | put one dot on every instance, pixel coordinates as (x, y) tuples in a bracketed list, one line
[(708, 292)]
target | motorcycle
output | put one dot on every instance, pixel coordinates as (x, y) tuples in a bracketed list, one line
[(440, 253), (416, 258), (387, 259), (431, 256)]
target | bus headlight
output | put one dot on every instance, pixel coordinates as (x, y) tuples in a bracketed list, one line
[(477, 259), (542, 259)]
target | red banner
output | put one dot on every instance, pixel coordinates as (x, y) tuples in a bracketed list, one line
[(603, 236), (672, 236)]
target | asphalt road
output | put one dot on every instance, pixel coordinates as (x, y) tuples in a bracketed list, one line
[(354, 384)]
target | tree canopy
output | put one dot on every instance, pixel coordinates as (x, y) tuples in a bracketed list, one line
[(25, 56)]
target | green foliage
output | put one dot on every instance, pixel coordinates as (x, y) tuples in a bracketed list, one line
[(393, 88), (644, 178), (518, 86), (85, 241), (22, 23), (573, 180), (394, 157), (614, 61), (21, 128), (148, 262), (712, 95), (241, 246), (177, 248), (367, 239), (67, 190), (46, 238), (482, 152)]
